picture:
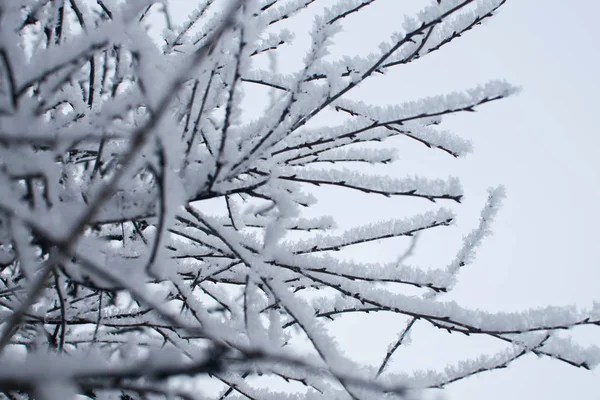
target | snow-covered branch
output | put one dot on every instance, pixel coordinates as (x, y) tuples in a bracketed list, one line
[(156, 240)]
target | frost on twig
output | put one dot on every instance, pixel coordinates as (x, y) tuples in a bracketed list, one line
[(156, 242)]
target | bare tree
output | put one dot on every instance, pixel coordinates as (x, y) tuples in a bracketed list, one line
[(115, 279)]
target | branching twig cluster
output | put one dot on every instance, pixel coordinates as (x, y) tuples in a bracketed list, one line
[(115, 279)]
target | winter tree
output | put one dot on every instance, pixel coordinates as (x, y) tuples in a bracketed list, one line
[(156, 243)]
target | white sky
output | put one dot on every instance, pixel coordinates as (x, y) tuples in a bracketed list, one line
[(541, 144)]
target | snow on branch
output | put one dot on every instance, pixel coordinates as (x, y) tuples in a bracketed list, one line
[(429, 107), (415, 187), (156, 240), (376, 231)]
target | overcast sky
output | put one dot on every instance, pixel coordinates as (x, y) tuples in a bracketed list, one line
[(541, 144)]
